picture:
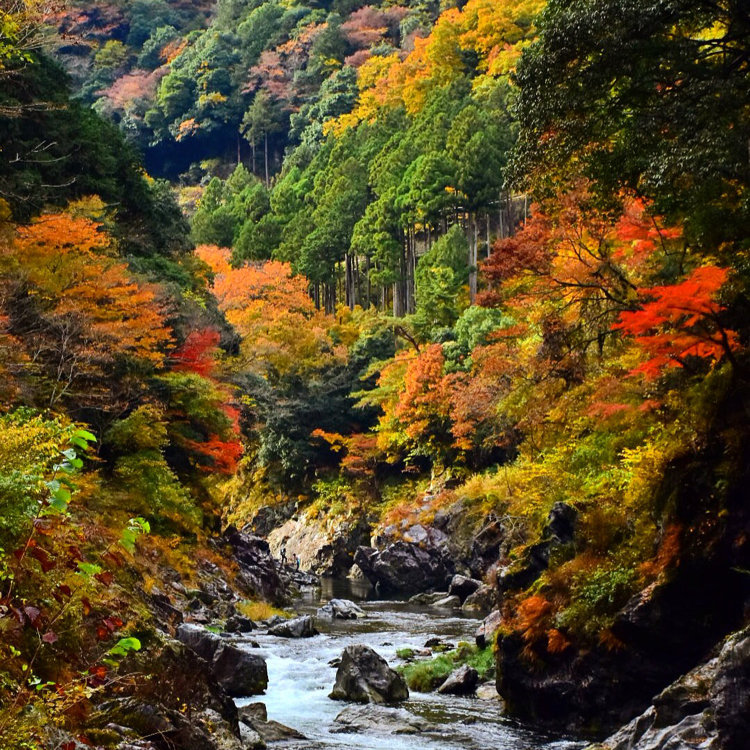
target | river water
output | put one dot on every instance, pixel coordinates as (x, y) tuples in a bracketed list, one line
[(300, 679)]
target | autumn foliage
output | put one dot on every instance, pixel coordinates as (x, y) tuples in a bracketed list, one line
[(680, 321), (79, 311)]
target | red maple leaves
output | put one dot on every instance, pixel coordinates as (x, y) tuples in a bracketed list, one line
[(679, 321)]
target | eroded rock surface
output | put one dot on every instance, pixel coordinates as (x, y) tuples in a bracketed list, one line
[(377, 720), (340, 609), (363, 676), (406, 567), (707, 709), (299, 627)]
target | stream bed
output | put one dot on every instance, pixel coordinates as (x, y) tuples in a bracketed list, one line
[(300, 679)]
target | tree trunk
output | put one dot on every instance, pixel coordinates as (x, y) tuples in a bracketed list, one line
[(265, 153), (489, 251), (473, 240), (411, 255), (369, 286)]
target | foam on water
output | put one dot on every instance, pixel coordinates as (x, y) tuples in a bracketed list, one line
[(300, 679)]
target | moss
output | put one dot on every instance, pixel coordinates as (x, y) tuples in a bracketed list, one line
[(428, 674)]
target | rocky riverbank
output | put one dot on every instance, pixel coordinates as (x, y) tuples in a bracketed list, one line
[(444, 557)]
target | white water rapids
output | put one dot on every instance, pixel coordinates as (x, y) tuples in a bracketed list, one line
[(300, 679)]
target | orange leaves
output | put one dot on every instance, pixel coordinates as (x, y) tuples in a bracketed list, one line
[(423, 404), (557, 642), (680, 321), (82, 309), (281, 328), (532, 618)]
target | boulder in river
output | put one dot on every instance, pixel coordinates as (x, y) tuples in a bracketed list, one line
[(482, 600), (448, 602), (363, 676), (463, 587), (406, 567), (428, 598), (485, 633), (299, 627), (340, 609), (462, 682), (377, 720), (239, 624), (255, 716), (237, 671)]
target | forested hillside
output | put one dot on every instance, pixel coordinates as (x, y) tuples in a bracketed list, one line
[(465, 279)]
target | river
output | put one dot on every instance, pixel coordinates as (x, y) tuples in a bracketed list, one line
[(300, 679)]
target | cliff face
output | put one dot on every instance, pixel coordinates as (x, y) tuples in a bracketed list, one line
[(661, 632), (708, 708)]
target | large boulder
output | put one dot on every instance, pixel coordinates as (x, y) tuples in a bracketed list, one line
[(447, 602), (299, 627), (406, 567), (462, 682), (322, 549), (428, 599), (377, 720), (238, 671), (485, 633), (202, 641), (364, 676), (257, 569), (463, 587), (340, 609), (707, 709), (255, 717), (483, 599), (163, 679)]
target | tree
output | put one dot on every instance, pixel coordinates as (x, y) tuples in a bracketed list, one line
[(78, 311), (262, 118), (441, 275), (647, 95), (680, 322)]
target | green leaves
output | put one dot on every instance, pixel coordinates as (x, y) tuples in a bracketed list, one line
[(60, 490), (124, 646), (135, 527)]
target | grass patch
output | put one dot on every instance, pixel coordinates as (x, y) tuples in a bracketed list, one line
[(259, 610), (426, 675), (405, 653)]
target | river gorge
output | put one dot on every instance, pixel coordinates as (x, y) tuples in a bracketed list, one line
[(301, 677)]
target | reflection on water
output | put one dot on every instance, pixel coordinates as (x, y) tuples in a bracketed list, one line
[(300, 679)]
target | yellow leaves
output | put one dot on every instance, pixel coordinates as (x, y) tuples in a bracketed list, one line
[(495, 31), (211, 97), (376, 90), (187, 128)]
